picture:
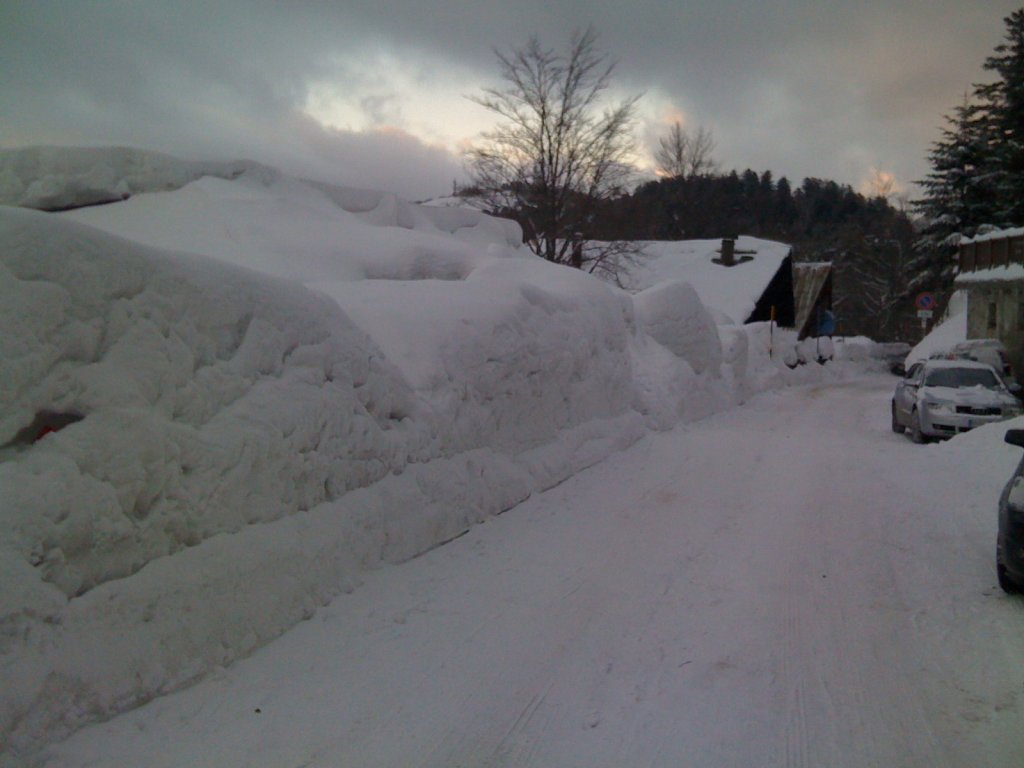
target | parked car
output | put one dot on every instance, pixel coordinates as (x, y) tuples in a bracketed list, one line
[(991, 351), (941, 398), (1010, 539), (894, 353)]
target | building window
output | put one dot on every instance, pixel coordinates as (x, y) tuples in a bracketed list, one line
[(991, 316)]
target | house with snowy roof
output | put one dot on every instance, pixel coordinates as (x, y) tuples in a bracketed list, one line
[(739, 280), (992, 274)]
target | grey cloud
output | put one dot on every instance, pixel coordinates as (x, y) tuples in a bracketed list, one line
[(801, 88)]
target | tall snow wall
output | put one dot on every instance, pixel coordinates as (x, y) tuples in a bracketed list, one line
[(195, 455), (234, 450)]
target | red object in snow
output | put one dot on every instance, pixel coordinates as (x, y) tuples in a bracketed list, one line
[(44, 432)]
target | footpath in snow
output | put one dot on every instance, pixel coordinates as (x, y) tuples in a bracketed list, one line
[(786, 584)]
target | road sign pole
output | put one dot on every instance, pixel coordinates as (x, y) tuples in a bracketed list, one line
[(925, 303)]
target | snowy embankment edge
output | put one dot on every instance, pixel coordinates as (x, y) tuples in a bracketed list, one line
[(241, 452), (113, 651), (126, 640)]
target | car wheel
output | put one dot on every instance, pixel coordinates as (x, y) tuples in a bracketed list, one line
[(1008, 585), (915, 427), (898, 428)]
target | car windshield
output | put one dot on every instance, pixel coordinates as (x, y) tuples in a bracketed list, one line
[(961, 377)]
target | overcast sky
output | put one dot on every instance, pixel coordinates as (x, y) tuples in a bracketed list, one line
[(373, 93)]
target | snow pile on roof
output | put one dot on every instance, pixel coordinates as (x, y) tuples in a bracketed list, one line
[(1010, 272), (731, 293), (995, 234), (197, 449)]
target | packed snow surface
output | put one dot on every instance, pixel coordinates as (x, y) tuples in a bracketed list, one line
[(228, 395), (785, 584)]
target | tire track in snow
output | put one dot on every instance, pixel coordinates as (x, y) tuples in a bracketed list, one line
[(514, 748), (872, 670), (836, 629), (797, 739)]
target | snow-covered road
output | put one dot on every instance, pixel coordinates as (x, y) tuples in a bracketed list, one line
[(785, 584)]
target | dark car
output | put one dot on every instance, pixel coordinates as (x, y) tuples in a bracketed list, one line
[(1010, 540), (991, 351)]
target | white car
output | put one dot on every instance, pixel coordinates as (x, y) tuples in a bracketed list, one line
[(940, 398)]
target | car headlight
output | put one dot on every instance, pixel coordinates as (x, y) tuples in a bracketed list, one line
[(1011, 411), (941, 409)]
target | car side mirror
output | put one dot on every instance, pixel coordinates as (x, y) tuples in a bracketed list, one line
[(1015, 437)]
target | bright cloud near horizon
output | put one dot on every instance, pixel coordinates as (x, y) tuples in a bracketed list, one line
[(376, 95)]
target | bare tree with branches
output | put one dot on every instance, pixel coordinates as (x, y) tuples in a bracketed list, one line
[(681, 155), (559, 150)]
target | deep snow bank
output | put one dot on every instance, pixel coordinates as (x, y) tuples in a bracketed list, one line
[(674, 316), (211, 400), (237, 446), (59, 178), (299, 231), (69, 178), (243, 448)]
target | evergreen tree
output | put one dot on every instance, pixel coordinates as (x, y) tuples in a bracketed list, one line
[(977, 176), (785, 208), (960, 194), (1005, 101)]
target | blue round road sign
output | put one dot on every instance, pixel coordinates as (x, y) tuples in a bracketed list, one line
[(925, 301)]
